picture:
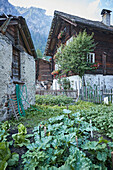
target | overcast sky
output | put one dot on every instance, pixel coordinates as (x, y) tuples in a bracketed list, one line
[(89, 9)]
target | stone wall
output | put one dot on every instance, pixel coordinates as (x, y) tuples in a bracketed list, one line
[(6, 83), (99, 79), (5, 72), (28, 77)]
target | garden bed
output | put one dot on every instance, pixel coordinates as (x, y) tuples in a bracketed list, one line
[(61, 138)]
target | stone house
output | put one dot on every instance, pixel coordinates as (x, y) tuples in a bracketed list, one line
[(17, 62), (64, 26)]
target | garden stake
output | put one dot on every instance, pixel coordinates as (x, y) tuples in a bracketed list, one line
[(91, 129), (44, 130), (40, 131), (76, 141), (68, 116), (68, 113), (112, 159)]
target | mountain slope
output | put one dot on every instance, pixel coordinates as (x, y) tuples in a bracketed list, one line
[(38, 22), (7, 8), (39, 25)]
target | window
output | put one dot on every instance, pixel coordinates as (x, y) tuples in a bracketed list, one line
[(16, 64), (91, 57)]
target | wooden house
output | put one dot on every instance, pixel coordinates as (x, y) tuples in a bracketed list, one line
[(64, 26), (43, 70), (17, 61)]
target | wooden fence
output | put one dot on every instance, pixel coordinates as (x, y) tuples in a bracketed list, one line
[(69, 93), (87, 93), (95, 94), (109, 94)]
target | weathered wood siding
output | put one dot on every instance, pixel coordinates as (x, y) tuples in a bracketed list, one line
[(43, 69), (104, 43)]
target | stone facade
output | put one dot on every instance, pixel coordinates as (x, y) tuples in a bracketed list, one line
[(99, 79), (90, 79), (6, 83), (28, 77)]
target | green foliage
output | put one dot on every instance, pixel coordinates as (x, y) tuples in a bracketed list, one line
[(4, 131), (34, 159), (39, 54), (6, 125), (21, 137), (58, 148), (13, 160), (58, 144), (66, 143), (53, 100), (102, 118), (73, 57), (64, 83), (47, 111), (3, 135), (98, 151), (22, 129), (6, 158)]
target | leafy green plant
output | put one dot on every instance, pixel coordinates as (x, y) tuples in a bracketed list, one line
[(3, 135), (6, 125), (59, 144), (35, 159), (53, 100), (21, 137), (99, 153), (6, 157), (63, 144), (4, 131), (102, 118)]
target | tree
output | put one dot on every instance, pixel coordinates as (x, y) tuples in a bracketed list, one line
[(73, 57), (39, 53)]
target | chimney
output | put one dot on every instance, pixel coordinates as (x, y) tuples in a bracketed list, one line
[(106, 16)]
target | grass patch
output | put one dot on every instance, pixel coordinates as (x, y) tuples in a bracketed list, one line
[(38, 113)]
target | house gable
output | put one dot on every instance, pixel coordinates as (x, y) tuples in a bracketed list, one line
[(64, 26), (16, 29)]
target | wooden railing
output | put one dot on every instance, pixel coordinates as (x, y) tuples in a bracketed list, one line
[(69, 93)]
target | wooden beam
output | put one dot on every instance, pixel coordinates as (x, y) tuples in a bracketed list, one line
[(5, 25), (13, 23), (25, 40), (16, 36), (70, 22)]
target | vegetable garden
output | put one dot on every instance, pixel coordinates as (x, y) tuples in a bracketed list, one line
[(58, 134)]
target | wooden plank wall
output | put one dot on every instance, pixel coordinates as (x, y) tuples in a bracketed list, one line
[(44, 70)]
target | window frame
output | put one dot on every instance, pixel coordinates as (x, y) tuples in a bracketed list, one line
[(91, 57)]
